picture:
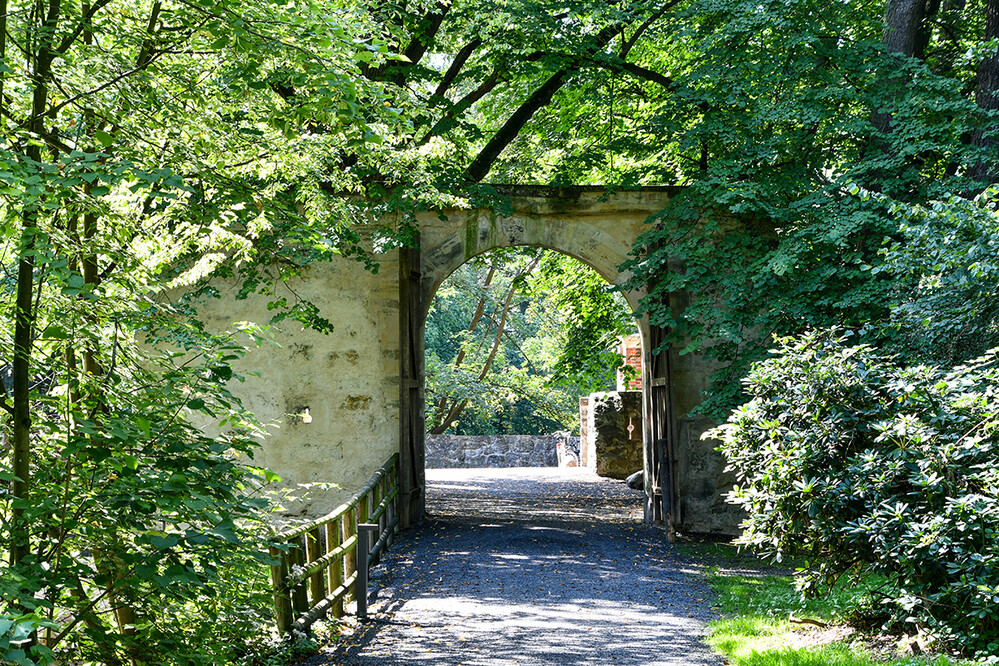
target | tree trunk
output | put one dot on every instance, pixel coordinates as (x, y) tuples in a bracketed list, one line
[(476, 316), (458, 406), (3, 51), (904, 27), (905, 33), (40, 64), (24, 317), (987, 97)]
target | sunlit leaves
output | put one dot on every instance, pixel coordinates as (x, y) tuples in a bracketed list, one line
[(165, 154), (560, 343)]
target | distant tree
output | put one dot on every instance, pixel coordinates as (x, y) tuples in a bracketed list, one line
[(514, 338)]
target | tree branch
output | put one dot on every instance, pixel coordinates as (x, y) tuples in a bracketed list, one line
[(417, 48), (459, 107), (476, 316), (640, 30), (459, 61), (459, 406), (541, 97), (107, 84), (83, 25), (147, 43), (647, 74)]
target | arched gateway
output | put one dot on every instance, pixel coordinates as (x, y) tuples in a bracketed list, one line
[(363, 384)]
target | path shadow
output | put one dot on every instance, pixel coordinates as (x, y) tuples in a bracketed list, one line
[(529, 575)]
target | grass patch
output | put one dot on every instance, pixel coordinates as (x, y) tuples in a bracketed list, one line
[(755, 627)]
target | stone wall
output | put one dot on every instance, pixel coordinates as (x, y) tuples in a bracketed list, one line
[(348, 380), (447, 451), (352, 381), (612, 450)]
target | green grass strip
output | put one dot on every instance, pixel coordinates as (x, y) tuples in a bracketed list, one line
[(754, 628)]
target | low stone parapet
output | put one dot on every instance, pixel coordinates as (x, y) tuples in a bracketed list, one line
[(449, 451)]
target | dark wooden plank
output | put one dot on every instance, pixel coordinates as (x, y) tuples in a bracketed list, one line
[(282, 598), (411, 390), (299, 593)]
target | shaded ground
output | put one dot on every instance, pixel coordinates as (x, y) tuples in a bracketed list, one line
[(530, 566)]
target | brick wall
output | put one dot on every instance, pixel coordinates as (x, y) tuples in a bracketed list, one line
[(630, 349)]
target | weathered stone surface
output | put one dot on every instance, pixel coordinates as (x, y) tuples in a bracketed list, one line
[(636, 481), (612, 452), (350, 380), (349, 387), (704, 483), (447, 451)]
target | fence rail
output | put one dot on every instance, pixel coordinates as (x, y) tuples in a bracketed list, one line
[(321, 565)]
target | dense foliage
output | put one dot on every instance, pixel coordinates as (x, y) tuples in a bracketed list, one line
[(859, 463), (946, 250), (514, 338), (779, 112), (143, 148), (154, 144)]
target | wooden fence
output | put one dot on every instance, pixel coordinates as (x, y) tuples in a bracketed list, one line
[(319, 566)]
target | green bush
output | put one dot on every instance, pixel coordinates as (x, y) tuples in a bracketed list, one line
[(857, 463), (146, 528)]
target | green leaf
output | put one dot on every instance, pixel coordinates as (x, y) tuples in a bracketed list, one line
[(163, 541), (55, 332)]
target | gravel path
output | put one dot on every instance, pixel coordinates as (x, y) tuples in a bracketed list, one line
[(530, 566)]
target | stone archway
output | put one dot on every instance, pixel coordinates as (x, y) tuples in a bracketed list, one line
[(586, 224), (363, 384)]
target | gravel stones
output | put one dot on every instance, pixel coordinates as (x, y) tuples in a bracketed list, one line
[(530, 566)]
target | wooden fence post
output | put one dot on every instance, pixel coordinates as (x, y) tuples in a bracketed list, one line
[(350, 557), (362, 511), (335, 569), (321, 565), (317, 586), (282, 598), (299, 593)]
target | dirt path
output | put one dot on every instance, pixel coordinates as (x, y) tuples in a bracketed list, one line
[(530, 566)]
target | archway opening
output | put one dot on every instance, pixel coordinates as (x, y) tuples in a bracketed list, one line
[(532, 360)]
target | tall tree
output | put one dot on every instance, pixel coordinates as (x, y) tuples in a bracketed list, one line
[(987, 96), (783, 116), (142, 148)]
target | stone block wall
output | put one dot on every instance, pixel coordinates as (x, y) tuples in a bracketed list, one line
[(611, 450), (450, 451)]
